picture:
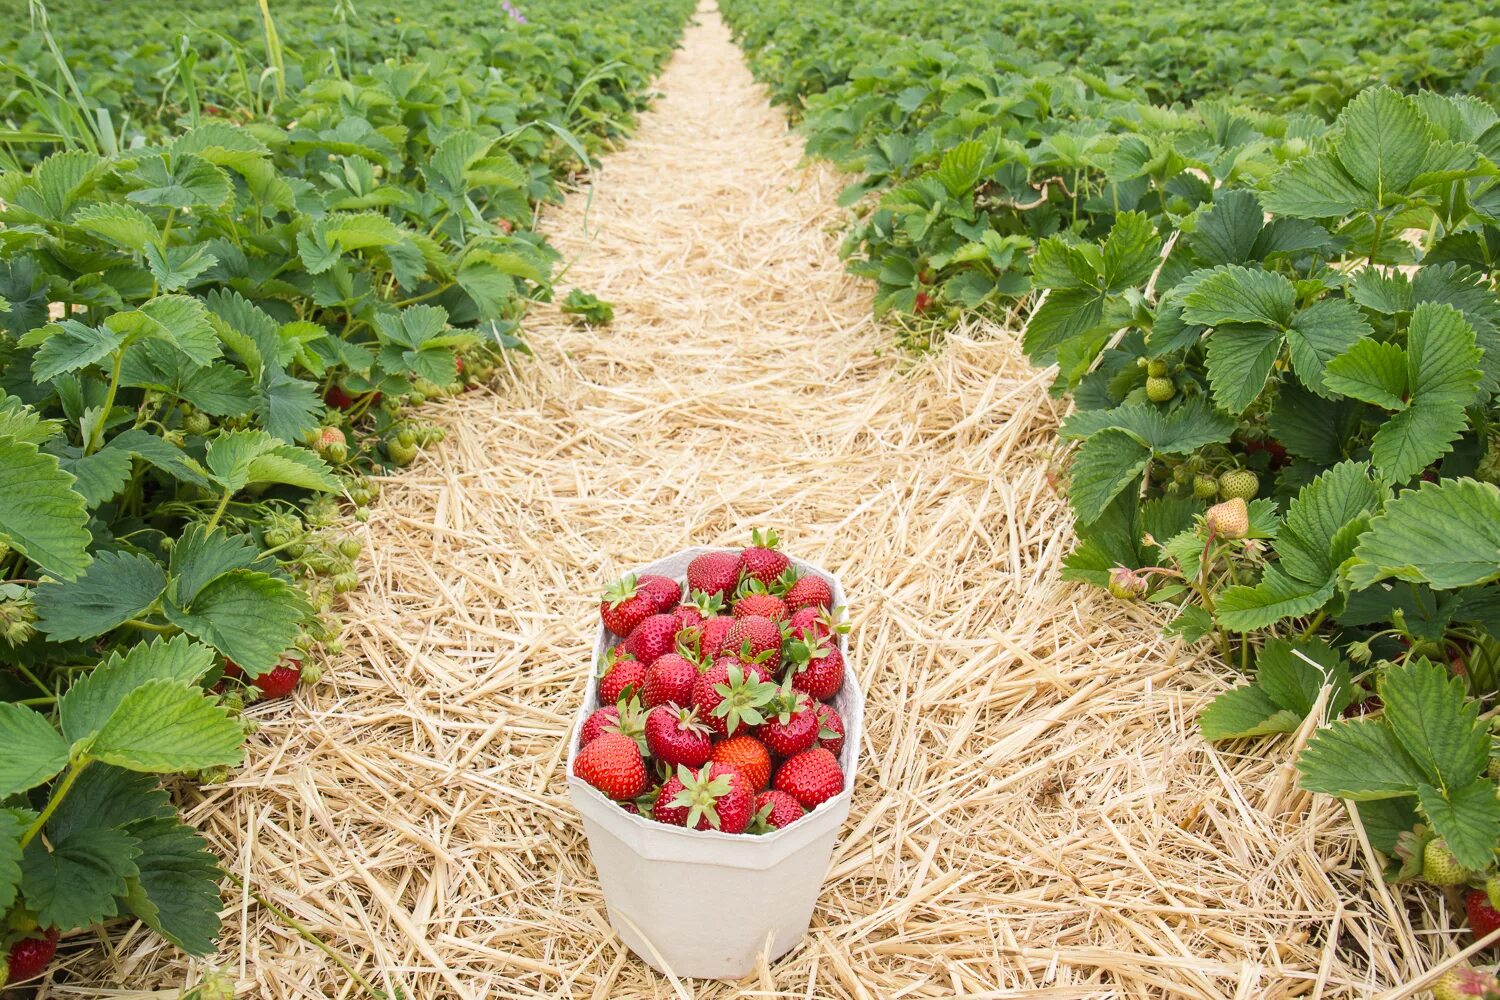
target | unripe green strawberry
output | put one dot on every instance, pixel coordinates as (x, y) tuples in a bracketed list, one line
[(1160, 389), (1126, 584), (1240, 483), (1494, 769), (1230, 519), (401, 454), (1205, 487), (1492, 890), (350, 548), (1489, 464), (1439, 866), (197, 423), (1156, 368)]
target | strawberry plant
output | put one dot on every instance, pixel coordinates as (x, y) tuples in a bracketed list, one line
[(221, 303)]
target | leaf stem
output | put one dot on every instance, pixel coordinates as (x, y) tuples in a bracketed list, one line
[(1313, 626), (33, 678), (424, 296), (308, 936), (58, 794), (149, 627), (213, 522), (109, 403)]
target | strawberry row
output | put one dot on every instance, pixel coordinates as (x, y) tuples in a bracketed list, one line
[(716, 702)]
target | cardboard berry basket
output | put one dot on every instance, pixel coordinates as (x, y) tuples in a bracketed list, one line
[(702, 903)]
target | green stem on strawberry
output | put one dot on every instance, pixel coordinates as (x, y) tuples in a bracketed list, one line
[(219, 512), (33, 678), (1313, 625), (58, 794), (92, 444), (307, 935)]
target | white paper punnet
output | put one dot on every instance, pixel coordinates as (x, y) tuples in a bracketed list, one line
[(702, 903)]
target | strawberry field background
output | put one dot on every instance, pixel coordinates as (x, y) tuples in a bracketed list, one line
[(241, 258)]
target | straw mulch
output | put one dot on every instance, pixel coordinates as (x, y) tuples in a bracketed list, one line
[(1036, 815)]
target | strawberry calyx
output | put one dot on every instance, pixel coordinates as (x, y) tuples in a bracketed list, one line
[(742, 699), (700, 794), (803, 652), (787, 702), (632, 719), (621, 590), (764, 539)]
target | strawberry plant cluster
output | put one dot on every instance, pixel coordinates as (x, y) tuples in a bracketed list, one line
[(236, 255), (1268, 283), (975, 135), (716, 703)]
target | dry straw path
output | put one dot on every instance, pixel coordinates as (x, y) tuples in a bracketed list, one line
[(1036, 813)]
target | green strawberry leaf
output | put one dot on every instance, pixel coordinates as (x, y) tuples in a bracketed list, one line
[(124, 226), (1435, 721), (100, 476), (1358, 759), (1231, 294), (68, 346), (41, 515), (179, 320), (167, 726), (109, 798), (1109, 463), (1468, 818), (1244, 711), (243, 458), (1371, 371), (1294, 683), (176, 892), (118, 587), (1323, 331), (34, 752), (1445, 534), (1238, 361), (1277, 596), (10, 858), (76, 883), (95, 697), (202, 555), (250, 617)]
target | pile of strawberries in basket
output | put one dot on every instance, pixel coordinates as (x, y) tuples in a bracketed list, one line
[(716, 709)]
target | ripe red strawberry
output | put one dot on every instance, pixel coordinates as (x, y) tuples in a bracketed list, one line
[(663, 591), (714, 797), (675, 735), (807, 623), (281, 680), (811, 777), (622, 673), (763, 605), (1484, 919), (747, 755), (699, 609), (712, 635), (729, 696), (599, 721), (791, 721), (816, 667), (337, 398), (830, 729), (754, 634), (669, 678), (626, 604), (28, 958), (761, 561), (627, 718), (653, 638), (612, 763), (810, 591), (774, 810), (715, 573)]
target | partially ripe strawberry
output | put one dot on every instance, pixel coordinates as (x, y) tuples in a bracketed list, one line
[(817, 668), (1230, 519), (28, 958), (753, 634), (612, 763), (715, 573), (774, 810), (1484, 919), (714, 797), (624, 673), (653, 638), (730, 694), (663, 591), (761, 561), (626, 605), (810, 591), (675, 735), (747, 755), (669, 678), (1440, 866), (830, 729), (790, 721), (811, 777), (1464, 983)]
